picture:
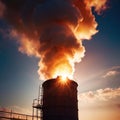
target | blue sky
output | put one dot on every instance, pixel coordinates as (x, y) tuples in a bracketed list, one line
[(99, 69)]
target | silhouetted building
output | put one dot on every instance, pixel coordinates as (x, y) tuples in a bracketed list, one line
[(59, 100)]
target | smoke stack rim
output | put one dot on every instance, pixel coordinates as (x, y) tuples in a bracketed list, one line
[(52, 81)]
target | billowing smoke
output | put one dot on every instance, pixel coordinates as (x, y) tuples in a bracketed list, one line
[(52, 30)]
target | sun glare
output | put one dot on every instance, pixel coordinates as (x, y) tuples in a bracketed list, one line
[(64, 72), (62, 79)]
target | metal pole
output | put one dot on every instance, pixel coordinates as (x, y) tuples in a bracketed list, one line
[(33, 111)]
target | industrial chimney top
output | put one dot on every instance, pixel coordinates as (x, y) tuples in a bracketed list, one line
[(58, 81)]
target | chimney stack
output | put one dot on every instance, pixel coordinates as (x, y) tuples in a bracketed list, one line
[(60, 100)]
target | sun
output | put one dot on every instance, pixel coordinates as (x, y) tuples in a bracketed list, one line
[(62, 79), (64, 71)]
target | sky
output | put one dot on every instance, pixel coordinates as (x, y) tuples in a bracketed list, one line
[(97, 75)]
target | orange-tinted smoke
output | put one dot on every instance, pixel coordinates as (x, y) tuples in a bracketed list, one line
[(53, 31), (2, 9)]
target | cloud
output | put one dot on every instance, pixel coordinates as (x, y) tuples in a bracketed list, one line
[(112, 72), (100, 104), (101, 80), (100, 95)]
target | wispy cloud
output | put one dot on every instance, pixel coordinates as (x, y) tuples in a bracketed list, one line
[(112, 72)]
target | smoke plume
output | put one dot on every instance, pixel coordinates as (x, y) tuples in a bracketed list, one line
[(53, 30)]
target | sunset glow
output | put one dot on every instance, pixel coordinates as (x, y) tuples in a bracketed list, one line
[(65, 40)]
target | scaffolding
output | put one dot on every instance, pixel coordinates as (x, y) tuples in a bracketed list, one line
[(37, 106), (5, 115), (36, 111)]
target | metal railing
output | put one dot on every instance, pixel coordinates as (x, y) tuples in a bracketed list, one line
[(4, 115), (37, 106)]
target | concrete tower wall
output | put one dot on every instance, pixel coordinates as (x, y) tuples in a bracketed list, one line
[(60, 100)]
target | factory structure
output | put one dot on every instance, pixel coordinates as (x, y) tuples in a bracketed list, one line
[(57, 100)]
